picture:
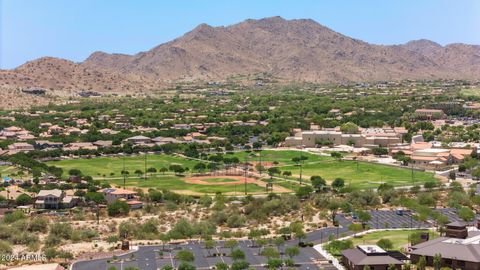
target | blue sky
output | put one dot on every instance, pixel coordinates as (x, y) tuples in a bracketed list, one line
[(74, 29)]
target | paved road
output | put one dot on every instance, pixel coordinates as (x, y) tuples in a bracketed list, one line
[(153, 258)]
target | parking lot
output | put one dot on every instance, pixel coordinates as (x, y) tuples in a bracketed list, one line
[(153, 257)]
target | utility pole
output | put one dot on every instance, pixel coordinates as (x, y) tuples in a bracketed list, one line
[(413, 178), (301, 163), (145, 175), (123, 171), (260, 162), (246, 169)]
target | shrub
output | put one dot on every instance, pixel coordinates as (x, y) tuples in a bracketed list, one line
[(118, 208), (38, 224), (14, 216)]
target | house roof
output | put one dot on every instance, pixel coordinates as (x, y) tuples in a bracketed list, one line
[(53, 192), (119, 191), (140, 137), (357, 257), (451, 248)]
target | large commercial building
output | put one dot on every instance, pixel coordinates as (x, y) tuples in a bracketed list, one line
[(369, 137), (459, 249)]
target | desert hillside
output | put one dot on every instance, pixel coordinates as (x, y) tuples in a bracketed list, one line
[(300, 50)]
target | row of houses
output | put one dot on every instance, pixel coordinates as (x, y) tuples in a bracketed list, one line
[(432, 156), (58, 199), (136, 140)]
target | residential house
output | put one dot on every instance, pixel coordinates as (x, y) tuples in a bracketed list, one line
[(43, 144), (80, 145), (49, 199), (102, 144), (139, 140), (20, 147), (113, 194)]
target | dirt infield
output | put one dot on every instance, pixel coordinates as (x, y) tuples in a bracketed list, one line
[(200, 180)]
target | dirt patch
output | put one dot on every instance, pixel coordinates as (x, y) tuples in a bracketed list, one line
[(201, 180)]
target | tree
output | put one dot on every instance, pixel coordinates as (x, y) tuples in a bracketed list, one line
[(240, 265), (379, 151), (333, 205), (274, 263), (185, 256), (270, 252), (437, 261), (200, 167), (336, 155), (338, 183), (364, 217), (96, 197), (318, 183), (118, 208), (209, 244), (177, 169), (23, 199), (138, 172), (355, 228), (278, 241), (165, 238), (349, 128), (185, 266), (151, 170), (452, 175), (466, 214), (304, 191), (273, 170), (286, 173), (237, 254), (231, 243), (221, 266), (155, 196), (422, 263), (163, 170), (292, 251), (74, 172), (391, 267), (384, 243)]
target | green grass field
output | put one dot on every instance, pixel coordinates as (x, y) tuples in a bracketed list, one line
[(97, 167), (13, 171), (470, 92), (171, 182), (400, 238), (283, 157), (368, 175), (219, 180)]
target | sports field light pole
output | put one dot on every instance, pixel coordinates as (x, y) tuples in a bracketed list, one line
[(123, 172), (246, 169), (145, 172), (301, 163), (413, 178)]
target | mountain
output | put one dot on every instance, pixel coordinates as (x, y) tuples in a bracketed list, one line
[(300, 50)]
